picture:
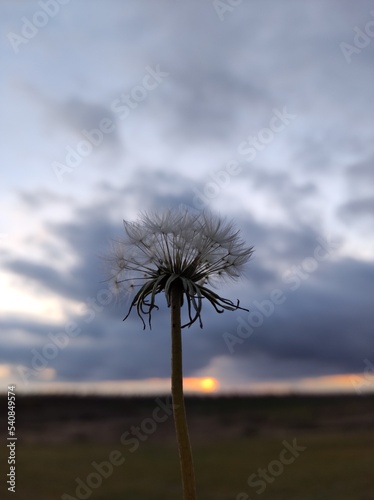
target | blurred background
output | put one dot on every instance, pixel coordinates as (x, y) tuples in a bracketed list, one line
[(261, 112)]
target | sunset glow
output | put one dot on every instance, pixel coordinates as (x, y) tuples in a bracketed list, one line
[(206, 384), (46, 381)]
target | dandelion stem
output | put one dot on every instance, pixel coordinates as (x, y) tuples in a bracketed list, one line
[(180, 421)]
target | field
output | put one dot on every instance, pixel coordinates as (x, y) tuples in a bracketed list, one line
[(296, 448)]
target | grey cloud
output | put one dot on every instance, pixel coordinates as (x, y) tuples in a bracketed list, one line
[(361, 172), (225, 77), (43, 274), (326, 321), (357, 208), (75, 113), (206, 104), (41, 198), (83, 115)]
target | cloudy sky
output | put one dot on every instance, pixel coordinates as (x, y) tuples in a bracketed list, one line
[(261, 112)]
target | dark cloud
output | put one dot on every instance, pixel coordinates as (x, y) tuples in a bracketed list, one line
[(326, 322), (358, 208), (41, 198), (206, 104), (361, 172), (225, 78), (43, 274), (83, 115)]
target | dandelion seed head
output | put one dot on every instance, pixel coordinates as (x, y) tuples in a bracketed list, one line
[(174, 247)]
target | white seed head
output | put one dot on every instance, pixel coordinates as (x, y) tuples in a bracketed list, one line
[(179, 245)]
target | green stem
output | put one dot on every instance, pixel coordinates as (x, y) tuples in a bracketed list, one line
[(180, 421)]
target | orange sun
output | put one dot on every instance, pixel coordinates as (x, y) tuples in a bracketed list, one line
[(209, 384), (203, 384)]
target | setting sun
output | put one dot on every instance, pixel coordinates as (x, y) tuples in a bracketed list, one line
[(209, 384), (197, 384)]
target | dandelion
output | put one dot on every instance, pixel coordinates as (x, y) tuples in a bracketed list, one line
[(179, 253)]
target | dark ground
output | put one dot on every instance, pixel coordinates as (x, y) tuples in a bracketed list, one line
[(52, 419), (61, 438)]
